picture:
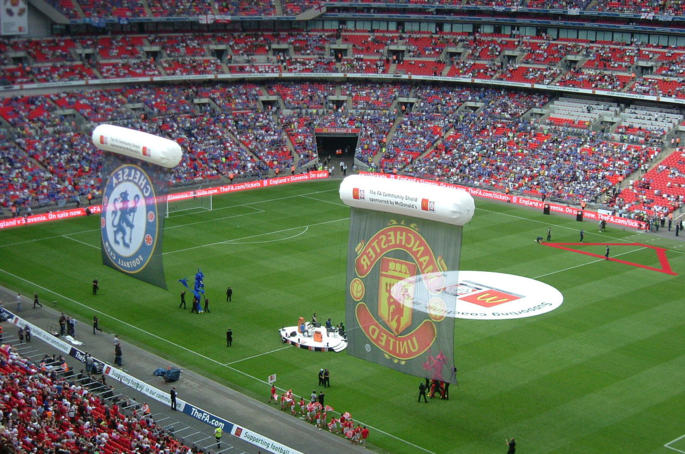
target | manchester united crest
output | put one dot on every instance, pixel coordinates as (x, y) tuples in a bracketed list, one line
[(391, 256)]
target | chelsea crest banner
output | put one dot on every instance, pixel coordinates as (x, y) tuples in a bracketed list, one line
[(405, 237), (132, 218), (135, 188)]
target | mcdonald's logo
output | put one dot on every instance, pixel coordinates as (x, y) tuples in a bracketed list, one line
[(489, 298)]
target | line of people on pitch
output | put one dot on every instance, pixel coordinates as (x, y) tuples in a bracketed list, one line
[(316, 412), (196, 307), (433, 387)]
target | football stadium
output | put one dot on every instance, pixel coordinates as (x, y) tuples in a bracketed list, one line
[(298, 226)]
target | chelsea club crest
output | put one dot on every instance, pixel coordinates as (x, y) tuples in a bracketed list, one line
[(128, 223)]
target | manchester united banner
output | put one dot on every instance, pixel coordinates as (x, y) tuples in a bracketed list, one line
[(14, 17), (135, 186), (404, 239)]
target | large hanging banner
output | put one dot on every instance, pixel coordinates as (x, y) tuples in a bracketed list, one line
[(132, 219), (405, 239), (14, 18), (135, 179)]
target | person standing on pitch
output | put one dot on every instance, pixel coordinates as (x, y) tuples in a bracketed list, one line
[(582, 235), (96, 286), (206, 309), (183, 300), (549, 233), (422, 392), (172, 395), (511, 446), (35, 301), (229, 294), (229, 337), (606, 253)]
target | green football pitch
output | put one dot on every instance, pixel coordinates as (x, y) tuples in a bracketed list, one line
[(603, 373)]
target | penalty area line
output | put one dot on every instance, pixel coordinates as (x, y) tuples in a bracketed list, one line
[(668, 445), (80, 242), (256, 235), (239, 241)]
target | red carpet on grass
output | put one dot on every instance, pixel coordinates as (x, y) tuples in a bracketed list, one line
[(660, 253)]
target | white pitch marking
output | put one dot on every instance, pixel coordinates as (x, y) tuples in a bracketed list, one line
[(80, 242), (667, 445), (252, 236), (588, 263), (339, 204), (256, 356), (213, 219), (275, 199), (239, 241)]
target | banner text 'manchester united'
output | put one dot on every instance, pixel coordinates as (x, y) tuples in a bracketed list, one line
[(392, 238)]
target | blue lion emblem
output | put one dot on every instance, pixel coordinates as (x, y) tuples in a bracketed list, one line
[(123, 218), (129, 222)]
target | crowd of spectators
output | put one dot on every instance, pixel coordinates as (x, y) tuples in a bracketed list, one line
[(79, 9), (497, 148), (578, 63), (656, 193), (593, 79), (229, 130), (305, 95)]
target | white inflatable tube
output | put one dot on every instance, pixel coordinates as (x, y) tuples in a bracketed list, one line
[(137, 144), (410, 198)]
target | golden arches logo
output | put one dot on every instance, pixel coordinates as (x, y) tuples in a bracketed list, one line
[(490, 298)]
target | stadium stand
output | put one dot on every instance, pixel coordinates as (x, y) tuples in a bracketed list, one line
[(45, 408), (658, 192), (390, 139)]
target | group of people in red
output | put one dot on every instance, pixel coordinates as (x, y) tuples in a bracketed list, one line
[(315, 412)]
